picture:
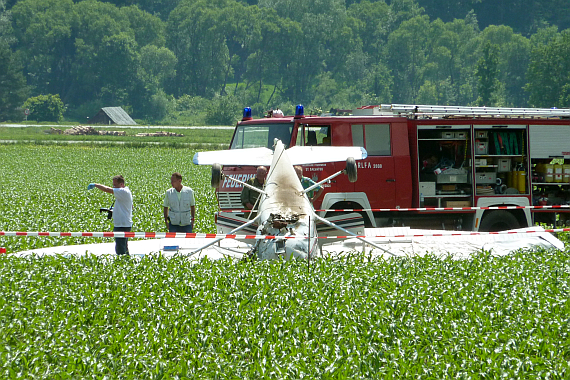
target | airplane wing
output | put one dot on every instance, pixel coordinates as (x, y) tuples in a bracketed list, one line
[(248, 157), (299, 155), (302, 155)]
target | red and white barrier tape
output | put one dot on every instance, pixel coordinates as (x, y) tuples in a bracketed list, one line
[(553, 207), (256, 237)]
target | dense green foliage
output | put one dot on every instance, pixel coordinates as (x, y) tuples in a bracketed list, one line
[(44, 188), (145, 55), (416, 318), (45, 107)]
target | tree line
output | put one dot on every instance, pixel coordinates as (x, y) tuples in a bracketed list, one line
[(163, 58)]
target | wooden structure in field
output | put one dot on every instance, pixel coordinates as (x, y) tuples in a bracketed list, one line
[(112, 115)]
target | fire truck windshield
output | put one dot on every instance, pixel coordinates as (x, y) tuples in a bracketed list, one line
[(261, 135)]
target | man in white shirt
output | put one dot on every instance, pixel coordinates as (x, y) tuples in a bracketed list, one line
[(179, 206), (122, 210)]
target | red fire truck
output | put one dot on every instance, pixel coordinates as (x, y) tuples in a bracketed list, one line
[(426, 157)]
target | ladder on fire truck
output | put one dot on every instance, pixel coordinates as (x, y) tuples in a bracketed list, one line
[(412, 110)]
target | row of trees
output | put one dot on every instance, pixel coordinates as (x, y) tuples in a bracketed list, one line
[(265, 53), (525, 17)]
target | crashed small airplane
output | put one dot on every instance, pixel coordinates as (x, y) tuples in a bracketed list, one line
[(284, 211)]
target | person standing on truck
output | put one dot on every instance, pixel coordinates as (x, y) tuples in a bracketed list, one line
[(307, 182), (122, 211), (249, 196), (179, 206)]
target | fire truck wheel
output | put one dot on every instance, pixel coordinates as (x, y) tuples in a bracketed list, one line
[(498, 220), (216, 175), (351, 169)]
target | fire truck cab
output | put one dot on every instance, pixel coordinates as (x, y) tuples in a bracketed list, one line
[(447, 164)]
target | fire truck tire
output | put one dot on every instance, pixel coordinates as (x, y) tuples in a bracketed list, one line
[(498, 220), (216, 175), (351, 169)]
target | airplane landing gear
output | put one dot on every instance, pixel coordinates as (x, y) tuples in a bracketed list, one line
[(216, 175), (351, 169)]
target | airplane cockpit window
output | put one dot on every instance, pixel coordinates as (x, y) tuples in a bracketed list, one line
[(261, 135)]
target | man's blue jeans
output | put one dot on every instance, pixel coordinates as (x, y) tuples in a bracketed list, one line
[(121, 244)]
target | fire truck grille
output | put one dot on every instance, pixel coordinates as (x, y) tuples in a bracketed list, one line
[(229, 200)]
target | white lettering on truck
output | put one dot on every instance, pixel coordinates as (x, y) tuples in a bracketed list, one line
[(367, 165), (241, 177)]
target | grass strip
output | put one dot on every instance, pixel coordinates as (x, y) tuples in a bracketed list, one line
[(192, 136)]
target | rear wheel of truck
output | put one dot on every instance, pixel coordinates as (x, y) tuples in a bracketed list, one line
[(498, 220)]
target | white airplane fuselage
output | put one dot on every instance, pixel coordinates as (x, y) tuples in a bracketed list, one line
[(285, 211), (287, 221)]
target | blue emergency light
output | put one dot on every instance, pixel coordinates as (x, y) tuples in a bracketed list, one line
[(299, 111), (247, 113)]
